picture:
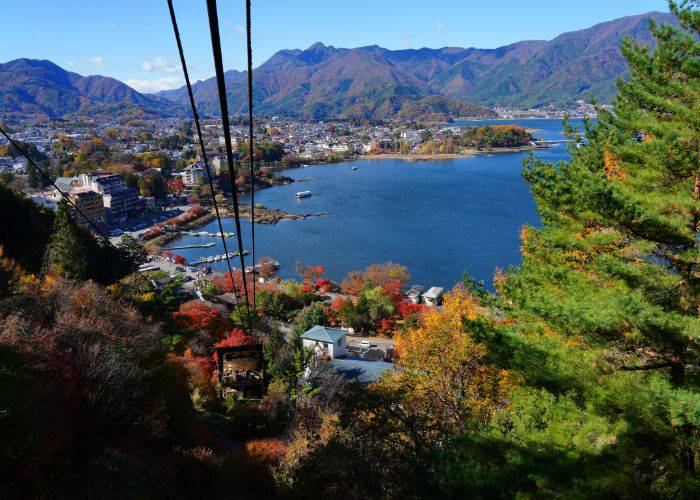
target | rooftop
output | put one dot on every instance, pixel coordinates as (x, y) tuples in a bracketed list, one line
[(434, 292), (362, 370), (324, 334)]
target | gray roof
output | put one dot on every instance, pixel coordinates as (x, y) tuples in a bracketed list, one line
[(324, 334), (362, 370), (434, 292)]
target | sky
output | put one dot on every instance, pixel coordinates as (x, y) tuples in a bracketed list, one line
[(132, 40)]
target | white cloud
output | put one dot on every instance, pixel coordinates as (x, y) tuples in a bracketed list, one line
[(160, 64), (239, 29), (87, 64), (156, 85), (112, 25), (438, 29), (96, 61), (406, 42)]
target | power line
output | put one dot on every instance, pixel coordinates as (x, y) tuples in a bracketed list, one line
[(201, 144), (219, 66), (65, 197), (249, 44)]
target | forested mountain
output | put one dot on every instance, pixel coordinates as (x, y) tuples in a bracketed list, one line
[(371, 82), (41, 89), (324, 81)]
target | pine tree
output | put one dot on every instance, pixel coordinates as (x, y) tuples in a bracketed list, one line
[(614, 269), (32, 179), (133, 251), (71, 249)]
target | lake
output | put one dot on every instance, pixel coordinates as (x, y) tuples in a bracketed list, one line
[(437, 218)]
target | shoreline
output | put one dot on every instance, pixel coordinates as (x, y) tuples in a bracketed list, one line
[(467, 153)]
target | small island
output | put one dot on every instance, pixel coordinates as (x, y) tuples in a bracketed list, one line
[(453, 142)]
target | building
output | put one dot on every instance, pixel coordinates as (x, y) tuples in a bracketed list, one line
[(433, 297), (91, 206), (191, 175), (326, 340), (120, 205), (414, 293), (106, 184)]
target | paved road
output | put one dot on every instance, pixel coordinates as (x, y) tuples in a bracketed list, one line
[(384, 342)]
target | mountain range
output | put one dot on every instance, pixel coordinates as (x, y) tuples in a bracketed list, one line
[(372, 82), (41, 89)]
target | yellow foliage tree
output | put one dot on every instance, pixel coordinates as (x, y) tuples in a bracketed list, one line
[(443, 373)]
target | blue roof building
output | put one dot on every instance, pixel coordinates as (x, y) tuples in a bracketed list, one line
[(326, 340)]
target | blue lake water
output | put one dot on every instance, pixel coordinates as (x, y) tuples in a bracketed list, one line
[(437, 218)]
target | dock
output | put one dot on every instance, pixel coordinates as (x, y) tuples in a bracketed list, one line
[(216, 258), (207, 234), (193, 245)]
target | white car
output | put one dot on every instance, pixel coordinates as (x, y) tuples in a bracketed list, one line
[(365, 344)]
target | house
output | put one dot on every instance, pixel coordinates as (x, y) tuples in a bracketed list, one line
[(433, 297), (414, 293), (326, 340), (19, 165)]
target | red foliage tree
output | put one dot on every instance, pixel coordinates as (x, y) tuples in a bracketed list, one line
[(393, 290), (324, 285), (179, 259), (236, 338), (194, 315), (309, 273), (407, 309), (224, 284), (386, 326), (175, 185)]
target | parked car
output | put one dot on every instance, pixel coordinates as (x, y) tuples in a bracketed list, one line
[(366, 344)]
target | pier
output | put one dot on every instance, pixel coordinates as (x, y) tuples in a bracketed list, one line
[(207, 234), (216, 258), (193, 245)]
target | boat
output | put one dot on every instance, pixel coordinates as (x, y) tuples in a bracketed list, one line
[(353, 168), (303, 194)]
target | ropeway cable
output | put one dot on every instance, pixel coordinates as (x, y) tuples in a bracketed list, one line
[(221, 84), (201, 145), (249, 44)]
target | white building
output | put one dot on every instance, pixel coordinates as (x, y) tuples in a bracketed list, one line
[(326, 340), (433, 296), (191, 175)]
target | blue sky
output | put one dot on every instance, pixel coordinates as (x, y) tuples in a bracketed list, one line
[(132, 40)]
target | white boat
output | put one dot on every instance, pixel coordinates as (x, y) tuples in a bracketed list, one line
[(303, 194), (353, 168)]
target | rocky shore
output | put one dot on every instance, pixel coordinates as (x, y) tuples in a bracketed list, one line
[(264, 215)]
